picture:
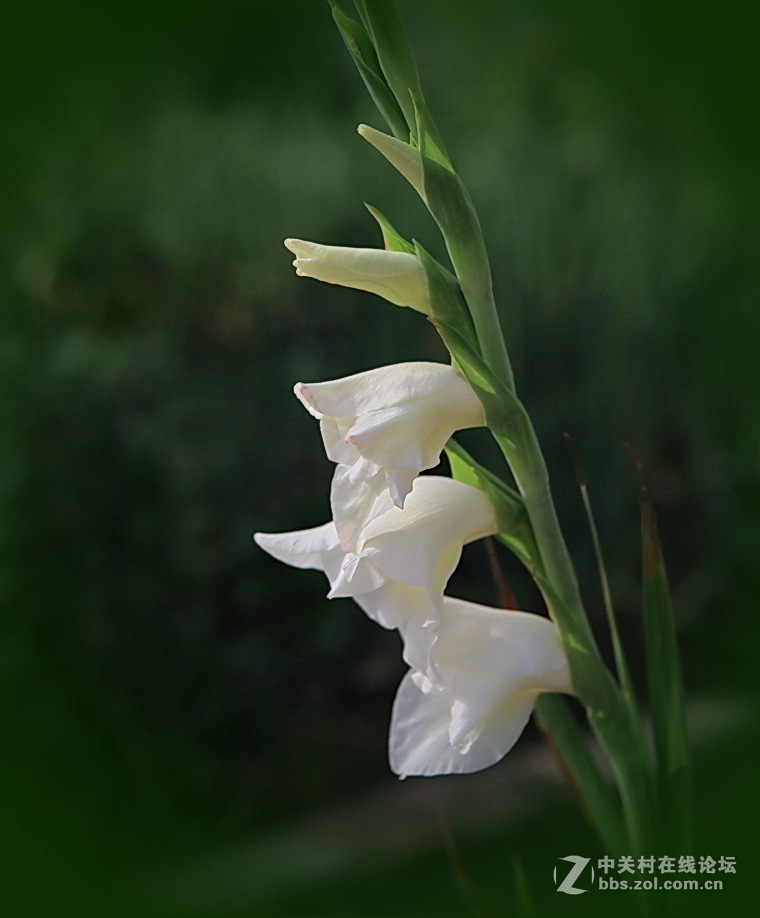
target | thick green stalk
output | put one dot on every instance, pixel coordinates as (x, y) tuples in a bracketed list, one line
[(606, 709), (452, 209), (471, 265), (532, 479)]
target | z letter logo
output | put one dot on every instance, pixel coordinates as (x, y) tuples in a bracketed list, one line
[(566, 886)]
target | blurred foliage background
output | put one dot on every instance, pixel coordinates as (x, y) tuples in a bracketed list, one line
[(190, 728)]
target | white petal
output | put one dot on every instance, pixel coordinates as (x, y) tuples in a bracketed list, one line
[(521, 647), (400, 483), (397, 437), (302, 394), (487, 667), (421, 544), (398, 417), (419, 741), (334, 432), (398, 605), (491, 659), (419, 737), (305, 548), (355, 577), (397, 384), (411, 434), (358, 494)]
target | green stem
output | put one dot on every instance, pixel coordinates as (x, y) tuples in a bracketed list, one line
[(473, 270), (607, 711)]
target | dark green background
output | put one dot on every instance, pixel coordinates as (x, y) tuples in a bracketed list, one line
[(189, 728)]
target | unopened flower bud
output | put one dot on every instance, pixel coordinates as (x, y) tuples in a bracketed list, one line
[(396, 276)]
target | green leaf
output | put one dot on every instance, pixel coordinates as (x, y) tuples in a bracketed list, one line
[(362, 51), (428, 139), (465, 351), (394, 241), (393, 52), (598, 799), (666, 694), (446, 300)]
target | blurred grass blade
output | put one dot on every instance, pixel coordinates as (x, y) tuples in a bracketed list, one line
[(393, 52), (526, 903), (361, 49), (666, 695), (621, 664), (597, 797)]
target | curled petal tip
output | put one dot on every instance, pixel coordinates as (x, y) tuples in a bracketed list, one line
[(302, 393)]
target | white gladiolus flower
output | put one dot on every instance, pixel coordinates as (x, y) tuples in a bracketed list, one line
[(401, 560), (490, 665), (397, 276), (396, 419), (402, 156)]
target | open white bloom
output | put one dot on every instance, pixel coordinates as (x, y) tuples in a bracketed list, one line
[(396, 419), (402, 156), (401, 560), (490, 666), (397, 276)]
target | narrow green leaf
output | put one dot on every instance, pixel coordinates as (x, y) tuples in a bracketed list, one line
[(621, 664), (429, 140), (666, 694), (465, 353), (446, 300), (393, 51), (598, 799), (362, 51), (393, 240)]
